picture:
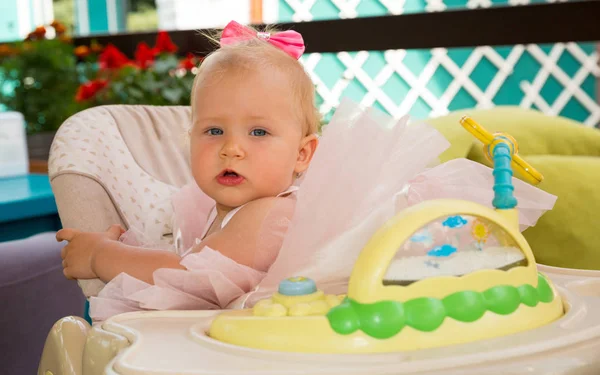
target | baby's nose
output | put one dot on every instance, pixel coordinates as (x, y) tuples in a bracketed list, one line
[(232, 149)]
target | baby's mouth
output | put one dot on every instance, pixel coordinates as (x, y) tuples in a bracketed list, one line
[(230, 178), (229, 173)]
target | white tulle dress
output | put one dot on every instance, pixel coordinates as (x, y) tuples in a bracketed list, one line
[(367, 168)]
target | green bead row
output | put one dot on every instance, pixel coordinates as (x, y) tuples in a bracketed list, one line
[(385, 319)]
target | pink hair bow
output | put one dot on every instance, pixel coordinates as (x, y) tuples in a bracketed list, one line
[(289, 41)]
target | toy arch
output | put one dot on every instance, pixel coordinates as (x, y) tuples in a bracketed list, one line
[(366, 281)]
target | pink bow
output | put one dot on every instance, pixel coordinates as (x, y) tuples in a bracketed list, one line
[(289, 41)]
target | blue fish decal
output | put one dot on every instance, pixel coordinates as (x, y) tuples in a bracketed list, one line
[(442, 251)]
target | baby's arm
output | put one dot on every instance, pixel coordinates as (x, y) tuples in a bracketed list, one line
[(248, 239), (89, 255), (117, 257), (255, 233)]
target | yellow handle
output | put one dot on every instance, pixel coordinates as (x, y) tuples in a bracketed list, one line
[(521, 166)]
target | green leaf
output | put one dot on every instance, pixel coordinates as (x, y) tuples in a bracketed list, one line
[(163, 66), (172, 95), (135, 93)]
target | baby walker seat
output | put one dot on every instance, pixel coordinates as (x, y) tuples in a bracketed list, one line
[(445, 287), (115, 164)]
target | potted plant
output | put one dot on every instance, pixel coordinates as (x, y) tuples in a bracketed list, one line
[(33, 74), (48, 80), (156, 75)]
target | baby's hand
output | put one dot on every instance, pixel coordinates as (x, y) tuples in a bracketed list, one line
[(78, 255)]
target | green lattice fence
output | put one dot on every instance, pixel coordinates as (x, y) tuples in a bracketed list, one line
[(557, 79)]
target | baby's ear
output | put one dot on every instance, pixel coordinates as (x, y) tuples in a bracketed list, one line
[(308, 146)]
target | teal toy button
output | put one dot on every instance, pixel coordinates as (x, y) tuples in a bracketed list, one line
[(297, 286)]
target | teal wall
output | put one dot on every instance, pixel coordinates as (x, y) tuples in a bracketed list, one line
[(488, 81), (9, 31), (9, 23), (97, 18), (97, 15)]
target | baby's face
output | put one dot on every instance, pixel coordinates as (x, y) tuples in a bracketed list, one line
[(246, 136)]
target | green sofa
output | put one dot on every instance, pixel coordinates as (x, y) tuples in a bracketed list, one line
[(568, 155)]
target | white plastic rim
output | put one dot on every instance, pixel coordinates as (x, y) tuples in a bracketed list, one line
[(153, 335), (567, 271)]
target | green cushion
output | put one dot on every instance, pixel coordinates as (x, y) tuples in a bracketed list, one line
[(568, 236), (568, 155)]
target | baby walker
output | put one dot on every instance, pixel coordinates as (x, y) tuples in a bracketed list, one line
[(445, 287)]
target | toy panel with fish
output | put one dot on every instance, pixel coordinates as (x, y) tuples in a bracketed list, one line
[(454, 246)]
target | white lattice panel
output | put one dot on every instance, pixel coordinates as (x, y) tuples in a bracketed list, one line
[(571, 95)]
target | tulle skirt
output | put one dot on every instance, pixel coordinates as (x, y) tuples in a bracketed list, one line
[(211, 281)]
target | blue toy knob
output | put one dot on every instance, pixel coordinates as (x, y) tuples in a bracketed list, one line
[(297, 286)]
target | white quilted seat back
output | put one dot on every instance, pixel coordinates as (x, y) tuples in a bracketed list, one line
[(120, 164)]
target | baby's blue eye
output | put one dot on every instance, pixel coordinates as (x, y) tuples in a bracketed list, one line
[(258, 132), (214, 131)]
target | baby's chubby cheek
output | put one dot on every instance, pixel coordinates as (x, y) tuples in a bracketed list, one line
[(278, 173)]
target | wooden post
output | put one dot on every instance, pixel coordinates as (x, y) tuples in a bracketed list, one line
[(256, 11)]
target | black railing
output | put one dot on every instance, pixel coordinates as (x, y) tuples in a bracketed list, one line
[(501, 25)]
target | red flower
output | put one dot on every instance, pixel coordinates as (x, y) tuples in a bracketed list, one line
[(38, 33), (112, 58), (58, 27), (164, 43), (189, 62), (144, 55), (82, 51), (90, 89)]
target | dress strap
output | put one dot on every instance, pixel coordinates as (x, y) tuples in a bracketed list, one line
[(229, 215), (227, 218), (290, 190)]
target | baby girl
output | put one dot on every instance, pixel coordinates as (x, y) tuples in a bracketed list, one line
[(253, 134)]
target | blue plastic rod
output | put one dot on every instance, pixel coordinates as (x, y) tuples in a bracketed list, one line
[(503, 187)]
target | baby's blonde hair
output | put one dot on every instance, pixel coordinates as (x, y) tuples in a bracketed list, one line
[(259, 54)]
